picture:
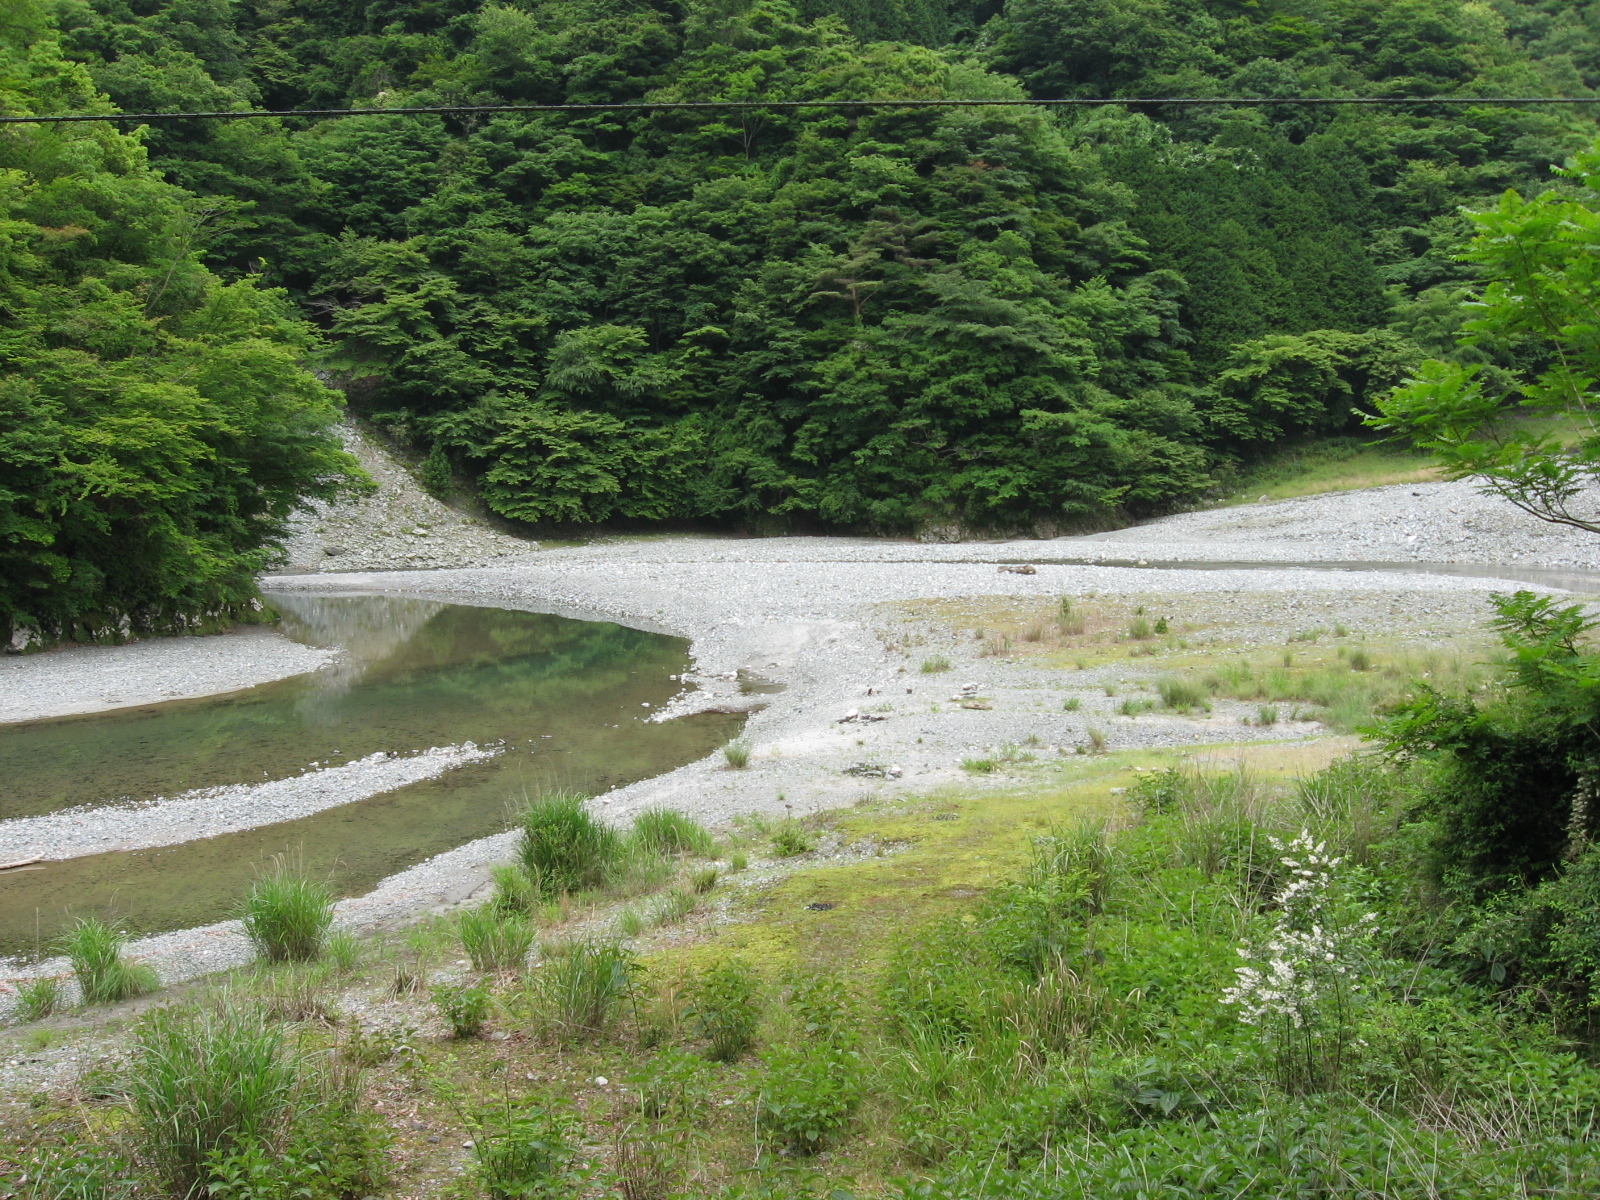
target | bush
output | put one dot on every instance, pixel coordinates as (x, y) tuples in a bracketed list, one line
[(725, 1008), (581, 990), (737, 754), (564, 848), (527, 1152), (666, 832), (495, 940), (104, 975), (40, 998), (286, 916), (464, 1005)]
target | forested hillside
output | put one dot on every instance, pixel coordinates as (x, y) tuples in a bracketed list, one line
[(884, 320)]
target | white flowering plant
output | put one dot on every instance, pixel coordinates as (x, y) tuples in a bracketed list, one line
[(1303, 980)]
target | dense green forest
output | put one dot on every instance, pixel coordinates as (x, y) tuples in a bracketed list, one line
[(885, 320)]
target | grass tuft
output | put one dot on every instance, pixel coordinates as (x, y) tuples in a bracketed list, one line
[(580, 990), (737, 754), (286, 916), (40, 998), (664, 831), (104, 975), (494, 940), (564, 848), (791, 839), (936, 664)]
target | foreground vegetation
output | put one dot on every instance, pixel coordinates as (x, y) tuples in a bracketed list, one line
[(1376, 978)]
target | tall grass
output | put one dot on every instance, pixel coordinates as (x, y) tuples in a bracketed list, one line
[(564, 848), (40, 998), (208, 1082), (104, 975), (496, 940), (582, 987), (667, 832), (286, 916)]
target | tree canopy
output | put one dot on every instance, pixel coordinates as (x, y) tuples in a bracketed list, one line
[(882, 320)]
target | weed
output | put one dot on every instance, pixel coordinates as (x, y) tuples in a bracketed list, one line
[(104, 975), (514, 890), (206, 1082), (495, 941), (791, 838), (464, 1005), (1071, 704), (343, 949), (674, 907), (40, 998), (672, 1085), (667, 832), (77, 1171), (737, 754), (725, 1008), (1182, 694), (807, 1094), (580, 991), (296, 993), (286, 916), (703, 880), (408, 978), (527, 1152), (563, 847), (936, 664)]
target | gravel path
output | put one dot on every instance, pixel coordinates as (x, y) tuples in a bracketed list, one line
[(209, 812)]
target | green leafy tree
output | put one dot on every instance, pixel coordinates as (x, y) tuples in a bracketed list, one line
[(1527, 434)]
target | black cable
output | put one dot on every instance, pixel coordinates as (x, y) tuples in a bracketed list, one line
[(735, 105)]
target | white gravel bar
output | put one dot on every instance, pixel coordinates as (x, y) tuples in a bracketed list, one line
[(209, 812), (85, 679)]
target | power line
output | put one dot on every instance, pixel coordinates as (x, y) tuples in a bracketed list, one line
[(743, 105)]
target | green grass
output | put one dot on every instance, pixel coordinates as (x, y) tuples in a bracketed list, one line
[(1335, 465), (104, 975), (664, 831), (737, 754), (564, 847), (935, 665), (40, 998), (495, 940), (581, 989), (286, 916)]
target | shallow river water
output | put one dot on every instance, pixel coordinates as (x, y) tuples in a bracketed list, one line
[(566, 699)]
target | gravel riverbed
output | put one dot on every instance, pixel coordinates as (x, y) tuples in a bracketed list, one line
[(842, 624)]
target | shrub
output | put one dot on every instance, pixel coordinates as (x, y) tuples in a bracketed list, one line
[(563, 847), (527, 1152), (514, 890), (208, 1082), (494, 940), (936, 664), (104, 975), (807, 1094), (286, 916), (666, 832), (737, 754), (464, 1005), (1182, 694), (40, 998), (791, 839), (725, 1008), (581, 990)]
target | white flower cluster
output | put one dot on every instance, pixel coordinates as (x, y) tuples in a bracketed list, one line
[(1307, 960)]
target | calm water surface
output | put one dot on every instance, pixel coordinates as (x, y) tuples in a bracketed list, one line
[(566, 699)]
